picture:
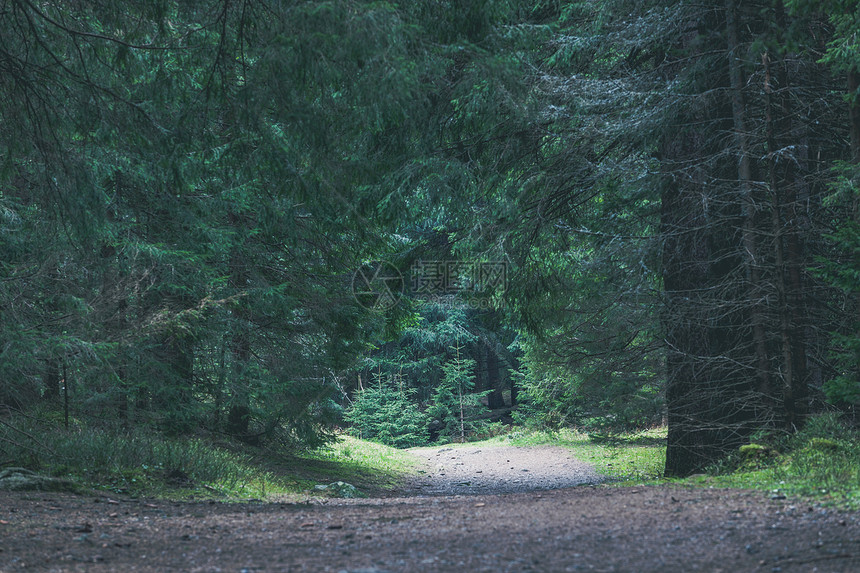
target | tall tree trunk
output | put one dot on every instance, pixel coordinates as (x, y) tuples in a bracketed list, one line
[(713, 333), (854, 129), (685, 252), (854, 115), (515, 390), (66, 390), (239, 412), (495, 400), (787, 249), (745, 179), (178, 355), (220, 383), (116, 325), (52, 380)]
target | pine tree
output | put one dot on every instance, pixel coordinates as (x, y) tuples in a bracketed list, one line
[(454, 403), (385, 412)]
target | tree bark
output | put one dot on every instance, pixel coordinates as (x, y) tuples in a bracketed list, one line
[(239, 411), (745, 181), (787, 249), (714, 336), (52, 380), (495, 400), (691, 439), (854, 114)]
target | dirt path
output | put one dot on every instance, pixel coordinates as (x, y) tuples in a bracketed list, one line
[(499, 469), (585, 528)]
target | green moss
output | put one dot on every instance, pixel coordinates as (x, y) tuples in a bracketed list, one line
[(21, 479), (755, 452), (823, 445), (821, 462)]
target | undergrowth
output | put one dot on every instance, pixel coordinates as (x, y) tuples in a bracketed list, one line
[(147, 463), (142, 463), (820, 462), (360, 460)]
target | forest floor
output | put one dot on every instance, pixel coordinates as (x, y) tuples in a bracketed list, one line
[(498, 509)]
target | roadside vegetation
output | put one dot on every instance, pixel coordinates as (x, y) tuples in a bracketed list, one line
[(148, 464), (820, 463)]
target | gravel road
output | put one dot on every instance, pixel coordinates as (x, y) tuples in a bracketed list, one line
[(498, 469)]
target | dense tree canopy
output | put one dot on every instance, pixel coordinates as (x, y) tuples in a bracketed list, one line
[(665, 191)]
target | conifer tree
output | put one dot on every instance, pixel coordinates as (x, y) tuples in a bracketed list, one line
[(453, 402)]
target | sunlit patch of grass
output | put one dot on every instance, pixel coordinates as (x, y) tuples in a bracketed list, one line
[(626, 458), (360, 461)]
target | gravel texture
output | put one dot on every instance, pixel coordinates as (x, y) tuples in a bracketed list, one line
[(499, 469)]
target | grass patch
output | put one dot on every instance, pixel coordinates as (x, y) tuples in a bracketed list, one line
[(367, 465), (152, 465), (626, 458), (145, 464), (820, 463)]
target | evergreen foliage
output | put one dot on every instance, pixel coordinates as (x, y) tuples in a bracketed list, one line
[(839, 265), (169, 174), (384, 413), (454, 403), (188, 188)]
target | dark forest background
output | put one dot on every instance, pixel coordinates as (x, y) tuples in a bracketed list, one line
[(271, 220)]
